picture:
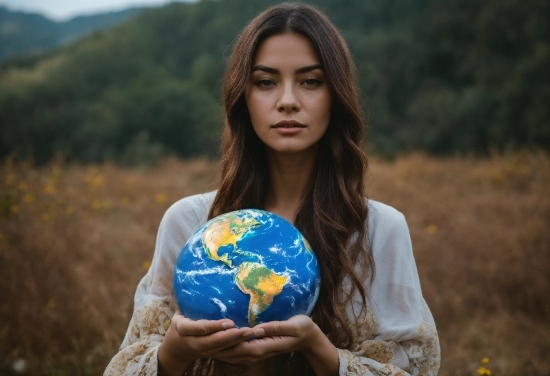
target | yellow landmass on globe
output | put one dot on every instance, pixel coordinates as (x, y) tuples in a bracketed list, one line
[(227, 230), (261, 284), (252, 278)]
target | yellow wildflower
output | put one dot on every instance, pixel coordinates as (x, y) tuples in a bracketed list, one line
[(482, 371), (22, 186), (49, 189), (161, 197), (485, 360), (46, 217), (96, 181), (431, 229), (93, 179), (28, 198), (14, 209), (51, 304), (146, 265)]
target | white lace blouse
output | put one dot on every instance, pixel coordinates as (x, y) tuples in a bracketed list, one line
[(395, 336)]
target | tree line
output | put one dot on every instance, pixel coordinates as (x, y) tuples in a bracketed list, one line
[(446, 77)]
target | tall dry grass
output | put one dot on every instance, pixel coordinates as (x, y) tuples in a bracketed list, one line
[(481, 234), (74, 242)]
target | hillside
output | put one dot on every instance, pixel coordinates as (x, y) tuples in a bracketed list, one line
[(445, 77), (23, 34)]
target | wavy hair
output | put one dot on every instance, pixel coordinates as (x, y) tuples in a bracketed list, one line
[(333, 216)]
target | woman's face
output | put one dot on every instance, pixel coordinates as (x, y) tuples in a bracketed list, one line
[(287, 94)]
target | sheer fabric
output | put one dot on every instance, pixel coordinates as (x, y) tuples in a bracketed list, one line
[(395, 336)]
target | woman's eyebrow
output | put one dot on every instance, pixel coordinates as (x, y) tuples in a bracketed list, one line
[(263, 68), (266, 69), (309, 68)]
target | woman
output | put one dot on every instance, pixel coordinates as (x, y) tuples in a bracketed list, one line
[(292, 146)]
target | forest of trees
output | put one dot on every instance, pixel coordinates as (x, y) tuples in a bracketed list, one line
[(447, 77)]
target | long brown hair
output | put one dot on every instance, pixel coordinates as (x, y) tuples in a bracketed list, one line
[(333, 216)]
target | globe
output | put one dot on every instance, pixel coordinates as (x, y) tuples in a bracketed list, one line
[(250, 266)]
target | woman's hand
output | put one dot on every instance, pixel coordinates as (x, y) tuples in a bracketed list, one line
[(299, 333), (187, 340)]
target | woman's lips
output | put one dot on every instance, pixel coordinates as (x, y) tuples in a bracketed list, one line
[(288, 127)]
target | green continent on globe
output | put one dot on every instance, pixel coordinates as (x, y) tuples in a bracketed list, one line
[(227, 230), (261, 284)]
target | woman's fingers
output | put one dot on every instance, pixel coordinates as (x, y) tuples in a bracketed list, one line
[(276, 328), (187, 327), (206, 336), (295, 326), (222, 340), (272, 338), (255, 350)]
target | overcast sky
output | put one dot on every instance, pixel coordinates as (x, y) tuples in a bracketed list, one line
[(64, 9)]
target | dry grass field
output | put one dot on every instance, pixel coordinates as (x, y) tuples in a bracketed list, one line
[(74, 242)]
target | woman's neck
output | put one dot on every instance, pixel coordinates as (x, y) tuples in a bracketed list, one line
[(290, 180)]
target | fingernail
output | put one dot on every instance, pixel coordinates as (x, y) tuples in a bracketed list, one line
[(224, 325), (259, 332), (248, 334)]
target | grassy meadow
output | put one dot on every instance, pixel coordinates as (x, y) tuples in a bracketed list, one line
[(75, 241)]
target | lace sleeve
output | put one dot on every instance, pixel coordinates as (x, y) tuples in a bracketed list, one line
[(138, 354), (377, 357)]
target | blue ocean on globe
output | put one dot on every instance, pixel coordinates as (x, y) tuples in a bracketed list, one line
[(250, 266)]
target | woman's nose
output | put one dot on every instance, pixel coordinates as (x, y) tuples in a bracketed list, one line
[(288, 100)]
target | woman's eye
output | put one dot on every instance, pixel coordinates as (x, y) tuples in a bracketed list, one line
[(312, 82), (264, 83)]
